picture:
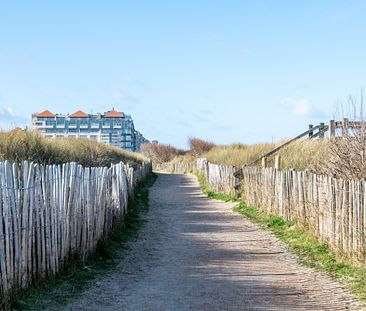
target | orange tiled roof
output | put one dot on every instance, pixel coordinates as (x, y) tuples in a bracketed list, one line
[(113, 114), (46, 114), (79, 114)]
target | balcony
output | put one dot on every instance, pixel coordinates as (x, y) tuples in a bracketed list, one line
[(72, 126), (60, 126), (84, 126), (106, 126)]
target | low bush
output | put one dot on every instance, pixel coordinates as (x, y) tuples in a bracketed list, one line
[(160, 153), (199, 146)]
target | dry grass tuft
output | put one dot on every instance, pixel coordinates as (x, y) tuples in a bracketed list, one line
[(305, 155), (237, 154), (19, 145), (300, 155)]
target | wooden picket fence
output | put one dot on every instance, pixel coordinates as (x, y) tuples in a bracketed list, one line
[(49, 213), (219, 177), (333, 209)]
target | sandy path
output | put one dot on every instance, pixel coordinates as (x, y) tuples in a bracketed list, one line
[(194, 253)]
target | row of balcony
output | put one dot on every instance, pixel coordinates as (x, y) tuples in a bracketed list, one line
[(74, 126)]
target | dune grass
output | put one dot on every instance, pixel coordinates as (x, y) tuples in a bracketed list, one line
[(299, 155), (237, 154), (19, 145)]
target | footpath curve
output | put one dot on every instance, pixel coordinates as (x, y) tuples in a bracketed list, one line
[(195, 253)]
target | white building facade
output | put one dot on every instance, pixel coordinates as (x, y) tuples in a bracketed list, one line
[(112, 127)]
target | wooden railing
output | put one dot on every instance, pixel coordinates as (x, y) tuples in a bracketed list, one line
[(345, 126)]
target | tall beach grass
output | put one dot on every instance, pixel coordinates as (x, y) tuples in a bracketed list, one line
[(299, 155), (19, 145)]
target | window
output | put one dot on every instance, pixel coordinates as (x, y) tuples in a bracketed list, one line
[(60, 120)]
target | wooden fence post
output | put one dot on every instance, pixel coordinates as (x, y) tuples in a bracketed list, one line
[(345, 127), (264, 162), (332, 127), (310, 130), (277, 162), (321, 130)]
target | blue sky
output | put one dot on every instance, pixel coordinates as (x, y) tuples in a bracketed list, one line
[(228, 71)]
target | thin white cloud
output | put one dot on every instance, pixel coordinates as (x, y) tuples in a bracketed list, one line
[(6, 112), (9, 120), (301, 107)]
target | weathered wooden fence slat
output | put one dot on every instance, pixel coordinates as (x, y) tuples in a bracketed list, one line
[(49, 213)]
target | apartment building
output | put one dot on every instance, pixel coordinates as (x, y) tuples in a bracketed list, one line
[(139, 140), (112, 127)]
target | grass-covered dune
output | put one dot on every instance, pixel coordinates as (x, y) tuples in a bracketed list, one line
[(19, 145), (299, 155)]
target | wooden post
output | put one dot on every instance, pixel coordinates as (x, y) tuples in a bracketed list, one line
[(345, 127), (321, 130), (310, 130), (264, 162), (277, 162), (332, 127)]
